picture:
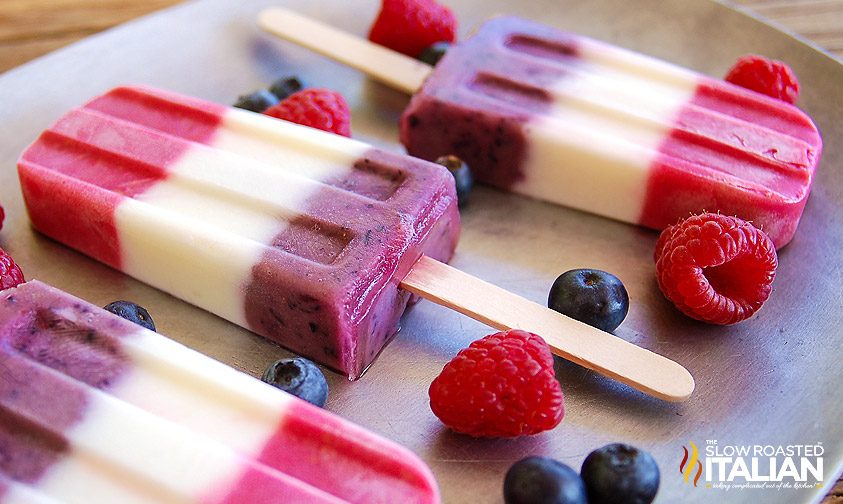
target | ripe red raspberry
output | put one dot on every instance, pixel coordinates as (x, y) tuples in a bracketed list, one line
[(715, 268), (500, 386), (2, 216), (769, 77), (10, 273), (411, 26), (318, 108)]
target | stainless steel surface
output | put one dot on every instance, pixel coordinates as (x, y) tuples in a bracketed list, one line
[(771, 380)]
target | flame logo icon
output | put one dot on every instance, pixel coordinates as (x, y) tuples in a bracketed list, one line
[(686, 467)]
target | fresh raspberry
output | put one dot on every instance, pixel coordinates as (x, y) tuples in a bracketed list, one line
[(318, 108), (10, 273), (769, 77), (2, 216), (500, 386), (715, 268), (411, 26)]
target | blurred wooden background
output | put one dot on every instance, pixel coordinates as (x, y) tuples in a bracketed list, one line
[(30, 28)]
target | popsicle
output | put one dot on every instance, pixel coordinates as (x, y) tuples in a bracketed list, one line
[(280, 229), (310, 239), (96, 409), (580, 123)]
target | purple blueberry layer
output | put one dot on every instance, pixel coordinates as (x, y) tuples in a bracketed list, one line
[(49, 342), (482, 94), (329, 287)]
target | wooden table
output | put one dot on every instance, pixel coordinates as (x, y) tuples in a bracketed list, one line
[(30, 28)]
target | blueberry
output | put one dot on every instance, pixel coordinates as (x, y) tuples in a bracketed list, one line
[(285, 86), (591, 296), (299, 377), (257, 102), (432, 54), (463, 178), (541, 480), (620, 474), (132, 312)]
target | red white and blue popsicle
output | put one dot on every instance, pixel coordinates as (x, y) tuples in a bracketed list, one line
[(296, 234), (310, 239), (581, 123), (95, 409)]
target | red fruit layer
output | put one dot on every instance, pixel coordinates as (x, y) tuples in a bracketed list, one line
[(61, 356), (113, 165), (403, 482), (729, 149), (735, 152), (325, 288)]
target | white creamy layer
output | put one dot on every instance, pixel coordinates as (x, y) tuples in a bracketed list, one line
[(123, 454), (18, 493), (164, 431), (175, 427), (198, 234), (206, 396), (594, 149)]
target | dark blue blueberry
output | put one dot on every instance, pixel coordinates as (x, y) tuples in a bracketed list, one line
[(432, 54), (620, 474), (132, 312), (591, 296), (299, 377), (258, 101), (285, 86), (541, 480), (463, 178)]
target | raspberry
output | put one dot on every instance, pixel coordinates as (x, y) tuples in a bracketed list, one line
[(502, 385), (769, 77), (715, 268), (411, 26), (10, 273), (318, 108), (2, 216)]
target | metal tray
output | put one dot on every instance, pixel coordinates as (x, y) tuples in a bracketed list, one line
[(771, 380)]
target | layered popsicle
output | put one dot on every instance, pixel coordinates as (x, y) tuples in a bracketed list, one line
[(584, 124), (94, 408), (313, 240), (296, 234)]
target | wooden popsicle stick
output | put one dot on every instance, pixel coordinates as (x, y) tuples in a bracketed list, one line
[(384, 65), (570, 339)]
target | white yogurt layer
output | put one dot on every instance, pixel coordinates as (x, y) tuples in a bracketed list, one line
[(198, 234), (206, 396), (123, 454), (175, 426), (18, 493), (594, 148)]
